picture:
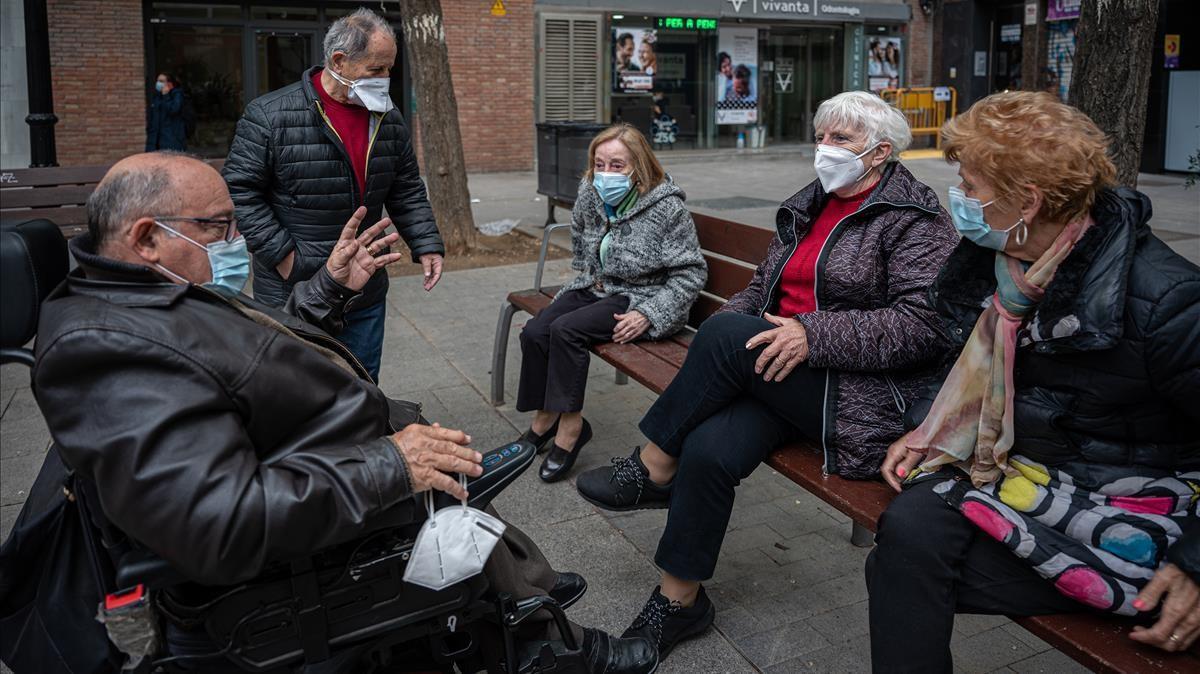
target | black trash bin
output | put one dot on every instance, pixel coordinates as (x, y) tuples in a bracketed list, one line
[(562, 157)]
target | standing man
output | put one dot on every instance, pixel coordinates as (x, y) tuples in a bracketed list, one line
[(165, 125), (306, 156)]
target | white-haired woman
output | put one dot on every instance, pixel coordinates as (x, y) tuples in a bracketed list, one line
[(831, 337)]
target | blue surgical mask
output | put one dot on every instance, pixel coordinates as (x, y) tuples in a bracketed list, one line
[(967, 213), (229, 261), (612, 186), (159, 86)]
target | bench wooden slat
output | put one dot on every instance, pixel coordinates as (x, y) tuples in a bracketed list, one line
[(37, 197), (705, 306), (672, 352), (732, 239), (860, 500), (65, 217), (726, 278), (646, 368), (1101, 643), (54, 175)]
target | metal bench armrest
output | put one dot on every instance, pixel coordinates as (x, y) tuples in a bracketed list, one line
[(537, 277)]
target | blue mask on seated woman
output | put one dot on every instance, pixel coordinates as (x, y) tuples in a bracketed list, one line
[(612, 186)]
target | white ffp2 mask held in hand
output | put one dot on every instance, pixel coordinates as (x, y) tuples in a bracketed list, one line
[(453, 545)]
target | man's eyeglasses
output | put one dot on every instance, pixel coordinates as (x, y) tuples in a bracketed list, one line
[(227, 226)]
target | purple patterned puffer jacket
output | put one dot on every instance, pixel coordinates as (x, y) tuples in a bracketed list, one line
[(873, 329)]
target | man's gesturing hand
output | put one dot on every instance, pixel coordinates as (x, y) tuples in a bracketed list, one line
[(787, 348), (433, 454), (354, 258)]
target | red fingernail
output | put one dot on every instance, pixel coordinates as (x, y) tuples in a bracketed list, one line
[(1139, 604), (901, 471)]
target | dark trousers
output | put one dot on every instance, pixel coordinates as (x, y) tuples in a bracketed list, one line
[(929, 563), (363, 335), (720, 420), (554, 349)]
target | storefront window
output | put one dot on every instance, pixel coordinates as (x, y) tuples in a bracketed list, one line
[(659, 81), (284, 13), (282, 57), (181, 10), (207, 60)]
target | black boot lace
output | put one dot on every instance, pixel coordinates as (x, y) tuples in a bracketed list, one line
[(654, 614), (626, 471)]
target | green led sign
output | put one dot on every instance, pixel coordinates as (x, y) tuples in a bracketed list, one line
[(685, 23)]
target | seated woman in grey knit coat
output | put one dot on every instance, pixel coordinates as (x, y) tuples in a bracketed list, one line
[(640, 269)]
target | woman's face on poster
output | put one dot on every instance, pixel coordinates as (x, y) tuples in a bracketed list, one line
[(645, 53)]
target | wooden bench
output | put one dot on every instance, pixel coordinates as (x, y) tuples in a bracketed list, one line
[(57, 193), (732, 250)]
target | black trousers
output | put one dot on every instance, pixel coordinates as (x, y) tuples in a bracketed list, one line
[(721, 420), (929, 563), (554, 349)]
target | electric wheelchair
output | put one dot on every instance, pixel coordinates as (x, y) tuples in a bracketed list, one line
[(349, 601)]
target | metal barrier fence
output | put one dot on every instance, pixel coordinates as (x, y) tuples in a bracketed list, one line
[(926, 108)]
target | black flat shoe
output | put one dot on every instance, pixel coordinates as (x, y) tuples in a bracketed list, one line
[(542, 442), (568, 589), (558, 462)]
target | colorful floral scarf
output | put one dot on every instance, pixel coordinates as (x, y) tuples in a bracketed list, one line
[(971, 420)]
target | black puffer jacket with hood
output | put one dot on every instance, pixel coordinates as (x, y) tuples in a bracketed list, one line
[(294, 189)]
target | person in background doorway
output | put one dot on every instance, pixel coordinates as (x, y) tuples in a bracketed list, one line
[(306, 156), (165, 126)]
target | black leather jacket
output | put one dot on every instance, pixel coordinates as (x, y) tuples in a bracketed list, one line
[(218, 442), (1108, 369), (294, 189)]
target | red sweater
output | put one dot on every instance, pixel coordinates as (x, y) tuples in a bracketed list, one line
[(797, 284), (352, 123)]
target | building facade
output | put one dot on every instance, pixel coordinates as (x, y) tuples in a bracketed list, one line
[(106, 55), (719, 73)]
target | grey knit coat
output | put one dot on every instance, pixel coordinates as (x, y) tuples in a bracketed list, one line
[(654, 258)]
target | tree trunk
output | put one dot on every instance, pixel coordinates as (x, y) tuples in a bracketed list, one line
[(445, 170), (1111, 77)]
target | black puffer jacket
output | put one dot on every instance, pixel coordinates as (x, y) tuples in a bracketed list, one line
[(1108, 369), (218, 442), (294, 188)]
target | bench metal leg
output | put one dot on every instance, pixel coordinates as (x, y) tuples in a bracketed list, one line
[(499, 351), (861, 537), (621, 379), (550, 211)]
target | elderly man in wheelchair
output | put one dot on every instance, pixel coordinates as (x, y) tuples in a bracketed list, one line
[(249, 499)]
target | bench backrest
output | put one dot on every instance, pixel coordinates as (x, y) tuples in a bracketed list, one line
[(57, 193), (732, 251)]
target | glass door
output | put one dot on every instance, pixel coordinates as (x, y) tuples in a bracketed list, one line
[(207, 61), (806, 69), (281, 57)]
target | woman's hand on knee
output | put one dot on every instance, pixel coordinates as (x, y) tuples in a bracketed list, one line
[(630, 325), (787, 347), (1178, 625), (899, 462)]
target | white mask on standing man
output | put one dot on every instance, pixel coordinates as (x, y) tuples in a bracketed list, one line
[(370, 92)]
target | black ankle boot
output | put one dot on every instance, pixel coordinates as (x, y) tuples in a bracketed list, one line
[(558, 462), (542, 442), (606, 654)]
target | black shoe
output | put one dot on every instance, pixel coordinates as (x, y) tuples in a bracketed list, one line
[(568, 589), (624, 486), (606, 654), (559, 462), (542, 442), (665, 623)]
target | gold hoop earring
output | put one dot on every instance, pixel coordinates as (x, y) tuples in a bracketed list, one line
[(1022, 232)]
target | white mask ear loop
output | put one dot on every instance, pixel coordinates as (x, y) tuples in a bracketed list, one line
[(462, 480), (429, 507)]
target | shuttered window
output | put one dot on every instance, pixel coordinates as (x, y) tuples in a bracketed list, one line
[(570, 68)]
